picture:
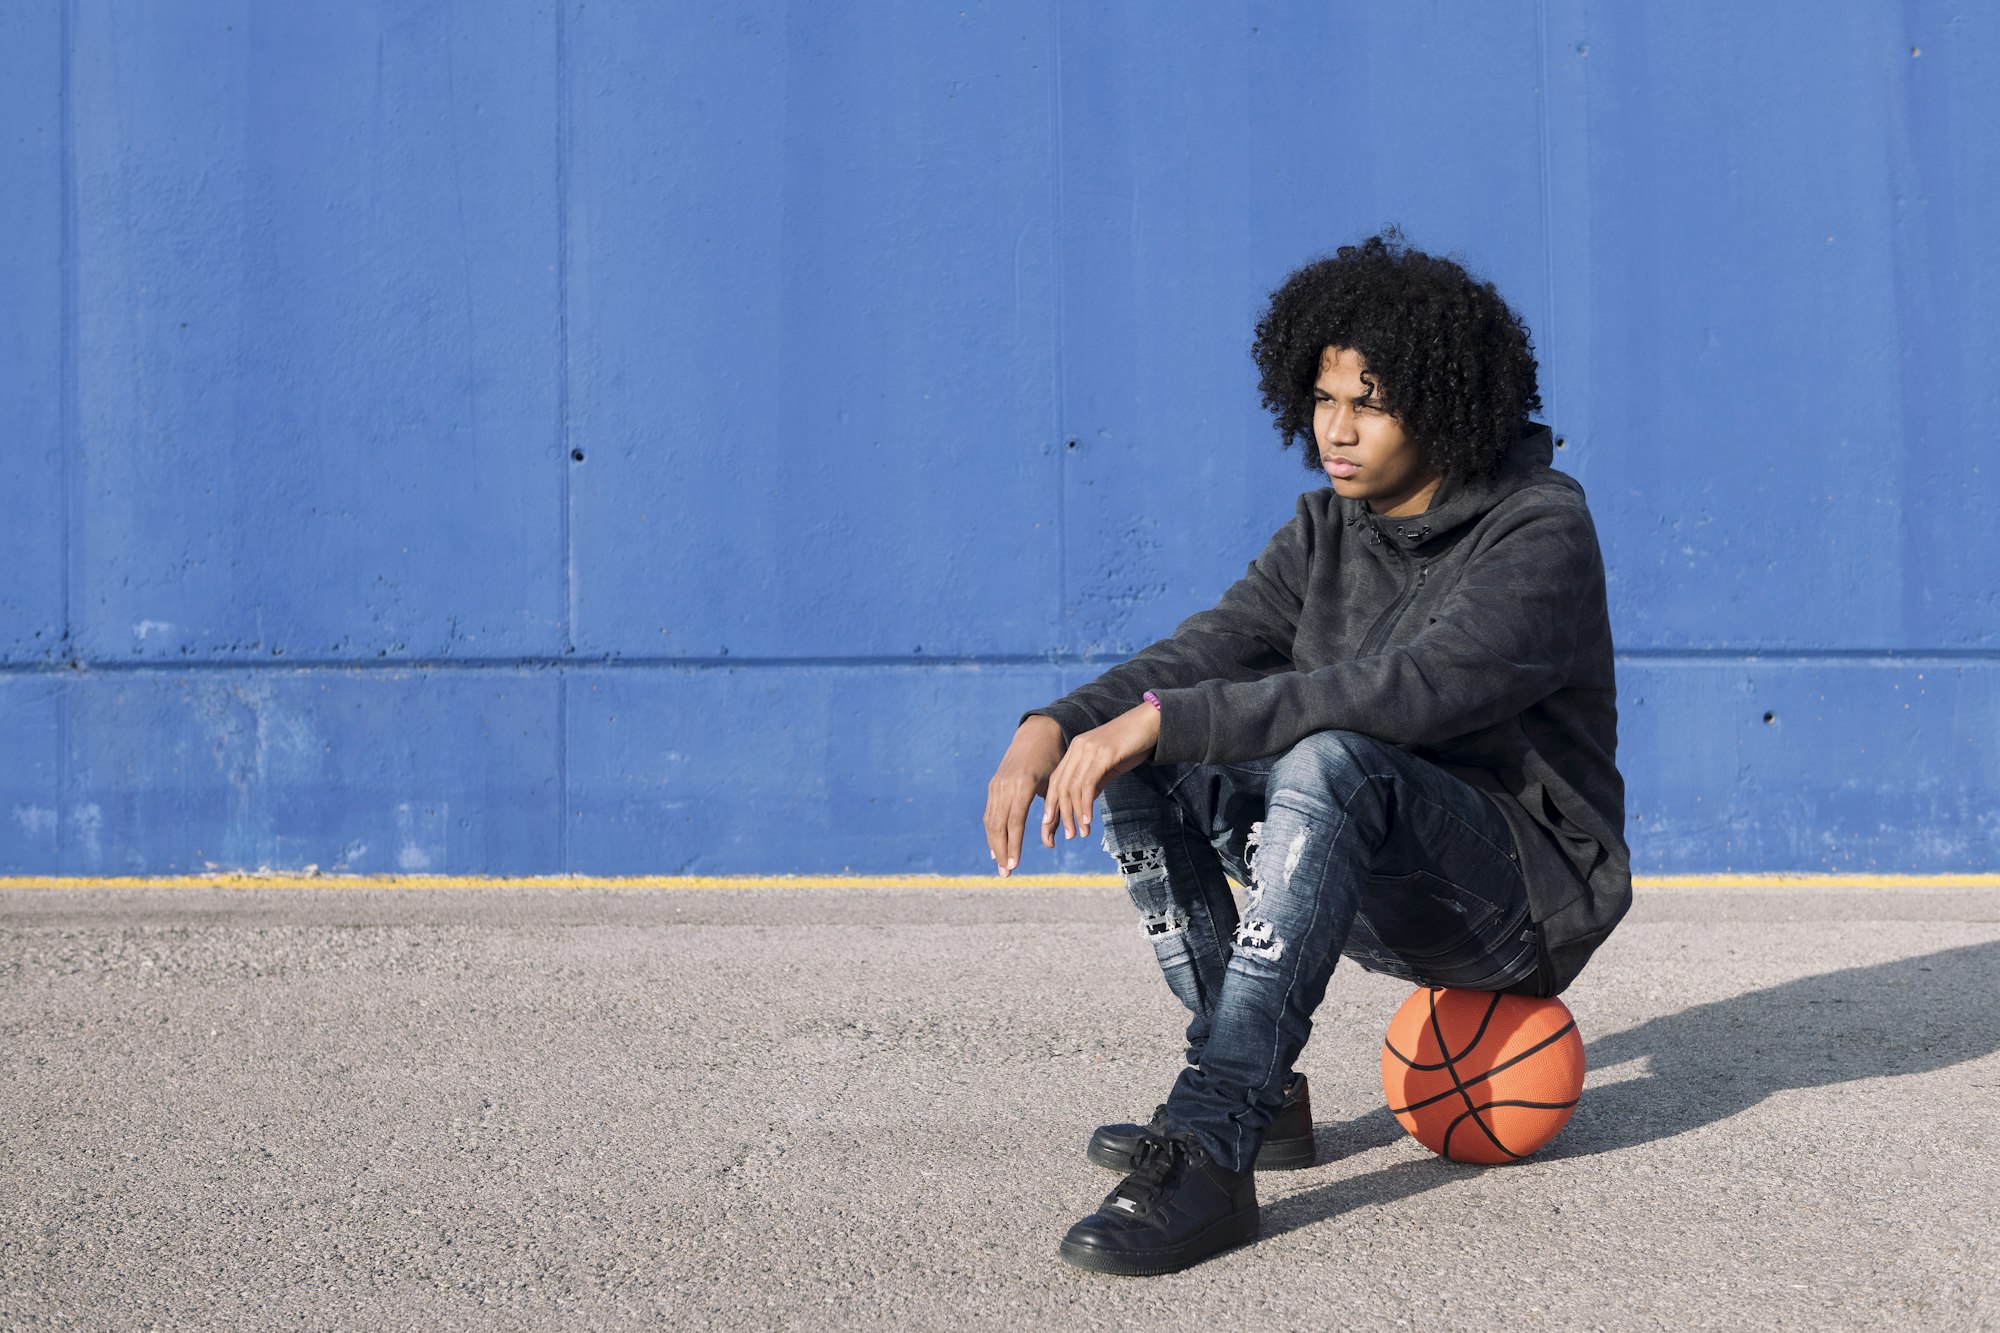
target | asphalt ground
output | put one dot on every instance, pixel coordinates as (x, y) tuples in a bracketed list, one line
[(867, 1108)]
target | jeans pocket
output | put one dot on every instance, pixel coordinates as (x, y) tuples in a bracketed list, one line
[(1426, 920), (1497, 966)]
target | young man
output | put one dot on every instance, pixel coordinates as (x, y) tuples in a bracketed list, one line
[(1397, 731)]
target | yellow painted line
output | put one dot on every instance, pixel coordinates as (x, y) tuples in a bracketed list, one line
[(1817, 881), (239, 880), (668, 882)]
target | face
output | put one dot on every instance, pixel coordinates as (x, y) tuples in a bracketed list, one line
[(1362, 448)]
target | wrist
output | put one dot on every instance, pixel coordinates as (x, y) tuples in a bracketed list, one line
[(1044, 723)]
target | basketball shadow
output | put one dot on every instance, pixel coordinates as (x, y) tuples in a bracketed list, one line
[(1349, 1138), (1712, 1061)]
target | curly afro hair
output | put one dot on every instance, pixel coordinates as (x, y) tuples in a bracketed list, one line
[(1450, 359)]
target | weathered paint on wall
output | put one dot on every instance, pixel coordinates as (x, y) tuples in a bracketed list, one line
[(635, 439)]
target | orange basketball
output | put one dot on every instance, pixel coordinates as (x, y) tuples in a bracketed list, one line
[(1477, 1076)]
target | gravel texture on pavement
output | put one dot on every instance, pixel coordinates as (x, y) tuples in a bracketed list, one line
[(748, 1109)]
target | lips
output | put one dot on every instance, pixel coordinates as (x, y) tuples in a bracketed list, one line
[(1342, 467)]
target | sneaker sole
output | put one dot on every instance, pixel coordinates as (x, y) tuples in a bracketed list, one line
[(1287, 1154), (1224, 1235), (1282, 1155)]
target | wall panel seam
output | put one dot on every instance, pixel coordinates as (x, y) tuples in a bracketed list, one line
[(66, 394), (564, 439), (1927, 658), (1060, 253), (1548, 338)]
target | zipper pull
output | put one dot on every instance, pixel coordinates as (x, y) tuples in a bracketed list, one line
[(1421, 571)]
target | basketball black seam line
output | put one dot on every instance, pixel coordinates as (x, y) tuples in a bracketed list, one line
[(1451, 1068), (1472, 1114), (1481, 1121), (1492, 1007), (1477, 1037), (1541, 1045)]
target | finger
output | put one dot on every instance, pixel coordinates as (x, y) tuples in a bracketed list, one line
[(1017, 815), (1006, 812), (1052, 806), (1075, 799), (1010, 848), (1082, 801), (1063, 805), (994, 822)]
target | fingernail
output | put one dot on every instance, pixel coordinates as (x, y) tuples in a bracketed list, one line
[(1013, 863)]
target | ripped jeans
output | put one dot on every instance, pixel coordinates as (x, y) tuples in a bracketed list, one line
[(1344, 844)]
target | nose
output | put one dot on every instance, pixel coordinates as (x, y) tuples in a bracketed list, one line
[(1340, 430)]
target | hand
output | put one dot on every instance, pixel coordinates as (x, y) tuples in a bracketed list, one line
[(1022, 776), (1093, 759)]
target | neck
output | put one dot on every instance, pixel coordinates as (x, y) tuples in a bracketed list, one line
[(1416, 503)]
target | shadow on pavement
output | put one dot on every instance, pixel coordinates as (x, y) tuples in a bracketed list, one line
[(1707, 1063)]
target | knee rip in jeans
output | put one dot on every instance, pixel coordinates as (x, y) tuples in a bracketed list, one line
[(1259, 939), (1253, 842), (1138, 863), (1254, 890), (1293, 852), (1156, 924)]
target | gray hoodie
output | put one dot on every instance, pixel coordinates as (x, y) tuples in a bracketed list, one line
[(1473, 635)]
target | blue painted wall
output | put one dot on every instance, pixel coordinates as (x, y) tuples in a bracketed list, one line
[(640, 438)]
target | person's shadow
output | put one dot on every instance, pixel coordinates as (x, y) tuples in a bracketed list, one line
[(1707, 1063)]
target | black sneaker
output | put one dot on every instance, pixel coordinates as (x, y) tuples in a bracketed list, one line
[(1178, 1207), (1288, 1143)]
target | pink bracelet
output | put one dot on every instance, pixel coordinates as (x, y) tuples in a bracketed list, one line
[(1152, 699)]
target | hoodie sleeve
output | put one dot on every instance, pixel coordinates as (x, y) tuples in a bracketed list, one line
[(1244, 637), (1499, 642)]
